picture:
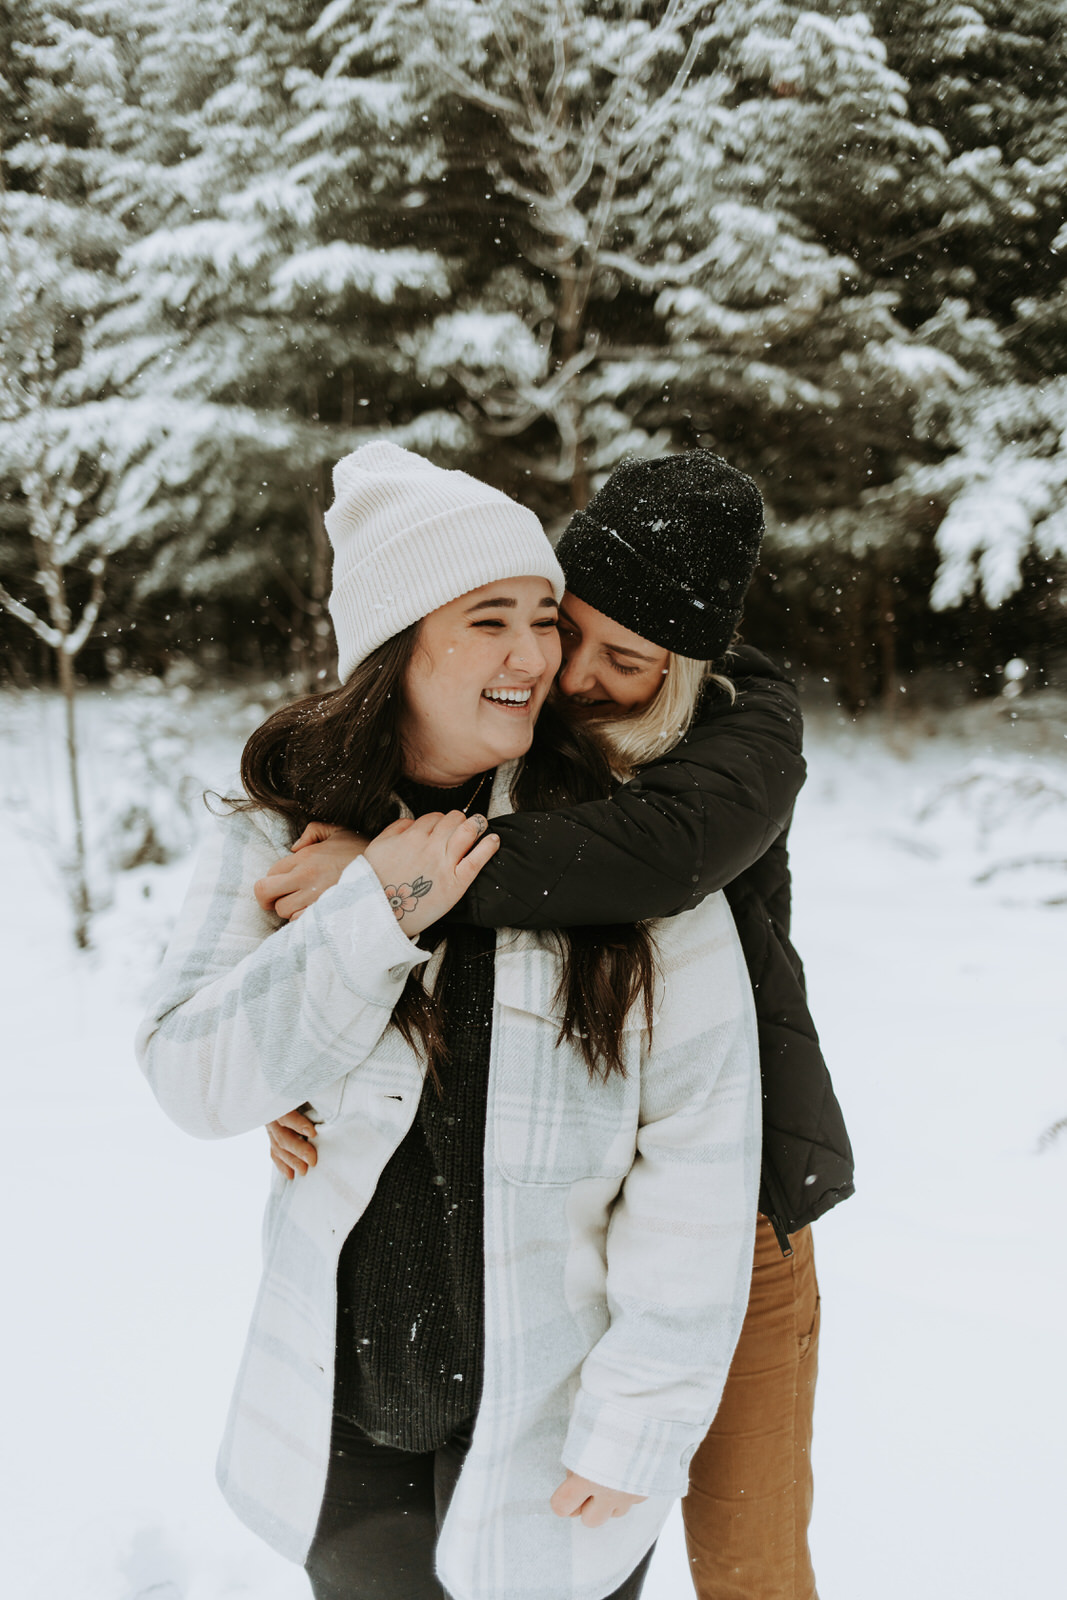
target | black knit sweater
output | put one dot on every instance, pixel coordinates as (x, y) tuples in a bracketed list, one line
[(410, 1277)]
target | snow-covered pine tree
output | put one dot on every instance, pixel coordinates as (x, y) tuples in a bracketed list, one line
[(964, 245), (530, 237), (76, 88), (62, 467), (261, 293), (982, 265), (641, 188)]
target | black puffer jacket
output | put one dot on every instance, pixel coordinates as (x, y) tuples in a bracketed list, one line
[(714, 813)]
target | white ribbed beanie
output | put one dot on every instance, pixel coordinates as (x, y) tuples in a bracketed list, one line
[(408, 537)]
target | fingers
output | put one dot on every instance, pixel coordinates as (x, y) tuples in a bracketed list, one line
[(441, 824), (463, 834), (291, 905), (291, 1167), (315, 833), (570, 1496), (289, 1161), (296, 1122), (455, 832), (596, 1511), (444, 825), (468, 868), (467, 845), (297, 1153), (291, 1150), (591, 1502), (296, 882), (401, 825), (267, 889)]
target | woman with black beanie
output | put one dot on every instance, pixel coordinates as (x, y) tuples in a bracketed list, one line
[(657, 566)]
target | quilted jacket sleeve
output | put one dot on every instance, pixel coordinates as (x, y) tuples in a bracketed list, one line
[(687, 825), (249, 1017), (680, 1240)]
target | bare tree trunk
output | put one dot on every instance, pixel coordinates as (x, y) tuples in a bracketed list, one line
[(568, 415), (886, 634), (296, 626), (568, 419), (319, 575), (57, 502), (852, 620), (318, 568), (581, 488), (79, 886), (348, 398)]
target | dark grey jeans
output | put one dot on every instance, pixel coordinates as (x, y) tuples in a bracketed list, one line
[(381, 1513)]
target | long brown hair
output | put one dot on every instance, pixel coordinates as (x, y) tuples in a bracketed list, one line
[(338, 757)]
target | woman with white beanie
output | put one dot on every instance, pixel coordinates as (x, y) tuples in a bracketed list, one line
[(496, 1319)]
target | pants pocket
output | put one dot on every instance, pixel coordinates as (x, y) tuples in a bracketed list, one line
[(805, 1341), (806, 1297)]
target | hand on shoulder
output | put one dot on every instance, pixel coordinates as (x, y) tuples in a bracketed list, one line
[(318, 858), (426, 864)]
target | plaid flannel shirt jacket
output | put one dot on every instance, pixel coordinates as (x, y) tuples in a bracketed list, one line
[(619, 1216)]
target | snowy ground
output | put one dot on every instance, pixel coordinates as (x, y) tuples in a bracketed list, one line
[(131, 1252)]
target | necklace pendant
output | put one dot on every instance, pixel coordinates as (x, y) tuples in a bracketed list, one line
[(478, 789)]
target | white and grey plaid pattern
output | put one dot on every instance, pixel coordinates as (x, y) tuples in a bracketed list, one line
[(619, 1217)]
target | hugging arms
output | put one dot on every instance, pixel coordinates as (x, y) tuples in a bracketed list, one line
[(712, 813)]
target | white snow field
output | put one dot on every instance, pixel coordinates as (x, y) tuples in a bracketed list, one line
[(936, 965)]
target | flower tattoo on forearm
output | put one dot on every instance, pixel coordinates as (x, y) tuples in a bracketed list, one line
[(406, 896)]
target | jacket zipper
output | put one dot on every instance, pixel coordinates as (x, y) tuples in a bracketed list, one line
[(770, 1179), (780, 1234)]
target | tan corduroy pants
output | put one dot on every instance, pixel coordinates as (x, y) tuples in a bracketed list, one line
[(750, 1489)]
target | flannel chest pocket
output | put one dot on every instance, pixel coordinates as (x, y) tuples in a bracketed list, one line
[(549, 1121)]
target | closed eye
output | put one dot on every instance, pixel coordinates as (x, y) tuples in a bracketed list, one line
[(544, 623)]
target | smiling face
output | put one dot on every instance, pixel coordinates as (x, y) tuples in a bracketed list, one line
[(607, 670), (481, 669)]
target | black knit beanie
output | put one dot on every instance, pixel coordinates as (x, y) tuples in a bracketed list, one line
[(667, 549)]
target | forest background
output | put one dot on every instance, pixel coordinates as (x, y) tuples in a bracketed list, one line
[(529, 237)]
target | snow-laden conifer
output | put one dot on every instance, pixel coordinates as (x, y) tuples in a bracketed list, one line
[(256, 321), (646, 183)]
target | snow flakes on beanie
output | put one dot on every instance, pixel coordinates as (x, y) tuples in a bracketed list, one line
[(667, 549), (408, 537)]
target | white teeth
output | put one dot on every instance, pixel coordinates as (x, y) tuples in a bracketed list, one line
[(511, 697)]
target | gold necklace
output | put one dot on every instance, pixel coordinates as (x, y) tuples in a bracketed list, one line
[(477, 792)]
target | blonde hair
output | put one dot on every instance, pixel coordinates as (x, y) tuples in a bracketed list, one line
[(653, 729)]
